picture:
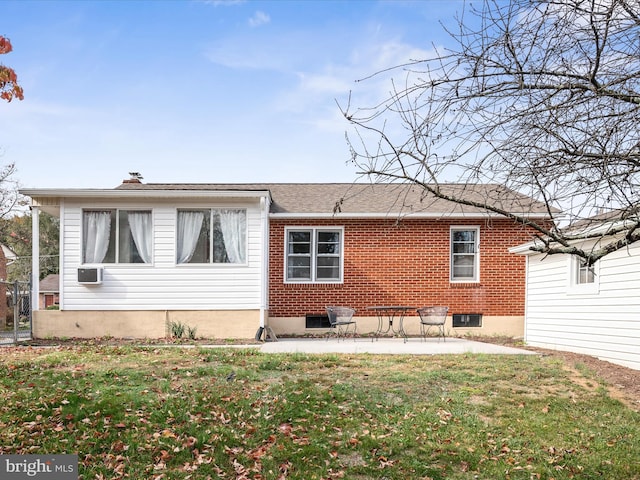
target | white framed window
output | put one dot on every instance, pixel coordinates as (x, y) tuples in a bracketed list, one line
[(117, 236), (585, 273), (464, 254), (583, 278), (314, 254), (211, 236)]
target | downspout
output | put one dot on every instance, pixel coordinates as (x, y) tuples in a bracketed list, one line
[(35, 259), (526, 295), (61, 253), (265, 204)]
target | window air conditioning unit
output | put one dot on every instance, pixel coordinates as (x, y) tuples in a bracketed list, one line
[(90, 276)]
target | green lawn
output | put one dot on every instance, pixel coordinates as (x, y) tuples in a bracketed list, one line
[(177, 413)]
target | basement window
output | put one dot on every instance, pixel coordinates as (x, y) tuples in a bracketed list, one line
[(467, 320), (317, 321)]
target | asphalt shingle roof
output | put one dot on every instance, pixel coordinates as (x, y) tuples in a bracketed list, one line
[(367, 198), (50, 283)]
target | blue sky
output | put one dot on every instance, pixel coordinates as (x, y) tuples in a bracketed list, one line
[(199, 90)]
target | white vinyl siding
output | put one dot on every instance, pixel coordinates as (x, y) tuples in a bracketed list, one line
[(603, 322), (163, 285)]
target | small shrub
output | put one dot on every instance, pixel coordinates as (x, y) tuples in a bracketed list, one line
[(177, 329), (191, 332), (181, 330)]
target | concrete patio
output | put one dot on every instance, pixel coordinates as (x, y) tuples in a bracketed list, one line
[(389, 346)]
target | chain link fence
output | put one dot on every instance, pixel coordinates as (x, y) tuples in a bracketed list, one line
[(15, 312)]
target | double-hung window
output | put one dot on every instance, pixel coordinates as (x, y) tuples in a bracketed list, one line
[(116, 236), (585, 273), (211, 236), (464, 254), (583, 278), (313, 255)]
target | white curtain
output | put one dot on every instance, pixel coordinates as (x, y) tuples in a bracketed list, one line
[(97, 228), (234, 231), (140, 225), (189, 226)]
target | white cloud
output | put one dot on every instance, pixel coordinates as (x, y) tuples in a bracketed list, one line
[(259, 18), (322, 89), (224, 3), (323, 84), (261, 50)]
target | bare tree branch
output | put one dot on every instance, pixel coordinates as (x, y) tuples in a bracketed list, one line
[(541, 96)]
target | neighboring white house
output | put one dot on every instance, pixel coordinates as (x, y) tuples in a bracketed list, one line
[(595, 311), (9, 254)]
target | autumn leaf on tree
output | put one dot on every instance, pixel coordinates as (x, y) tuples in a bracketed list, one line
[(9, 87)]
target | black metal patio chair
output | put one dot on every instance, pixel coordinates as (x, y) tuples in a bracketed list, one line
[(433, 317), (341, 321)]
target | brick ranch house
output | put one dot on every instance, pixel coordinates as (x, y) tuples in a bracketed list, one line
[(227, 259)]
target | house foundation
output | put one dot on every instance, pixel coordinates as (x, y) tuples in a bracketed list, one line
[(511, 326), (230, 324)]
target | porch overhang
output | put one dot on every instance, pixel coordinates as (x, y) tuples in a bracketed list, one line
[(49, 199)]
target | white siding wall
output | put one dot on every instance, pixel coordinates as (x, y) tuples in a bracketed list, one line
[(162, 285), (603, 323)]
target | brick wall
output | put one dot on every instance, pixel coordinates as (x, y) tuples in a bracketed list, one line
[(405, 263)]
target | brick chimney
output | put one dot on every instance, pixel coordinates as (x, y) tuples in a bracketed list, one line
[(135, 177)]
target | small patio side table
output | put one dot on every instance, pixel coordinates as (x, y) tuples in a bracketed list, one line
[(389, 314)]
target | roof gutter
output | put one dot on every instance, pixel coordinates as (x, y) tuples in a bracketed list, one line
[(395, 215), (593, 233), (111, 193), (524, 249)]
